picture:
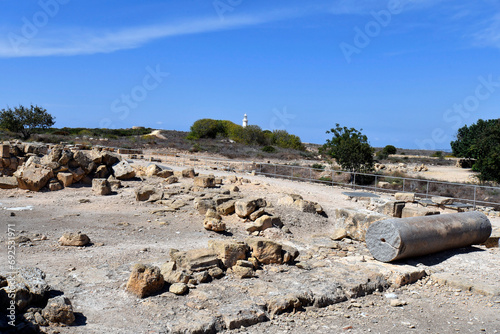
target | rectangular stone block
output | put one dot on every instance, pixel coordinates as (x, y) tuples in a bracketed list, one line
[(406, 197), (4, 151), (413, 211)]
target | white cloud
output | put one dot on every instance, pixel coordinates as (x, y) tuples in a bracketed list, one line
[(54, 43), (489, 36)]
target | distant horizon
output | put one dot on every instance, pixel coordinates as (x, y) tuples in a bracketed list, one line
[(408, 73)]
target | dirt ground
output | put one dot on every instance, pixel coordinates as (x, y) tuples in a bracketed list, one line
[(460, 293)]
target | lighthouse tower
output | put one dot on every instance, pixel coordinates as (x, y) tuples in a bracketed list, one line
[(245, 121)]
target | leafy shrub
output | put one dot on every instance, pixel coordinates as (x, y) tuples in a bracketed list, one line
[(390, 149), (437, 154), (269, 149), (318, 166), (283, 139)]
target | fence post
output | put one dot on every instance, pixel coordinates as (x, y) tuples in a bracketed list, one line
[(332, 179), (475, 190), (354, 181), (376, 176), (427, 190), (310, 174), (275, 170), (404, 184)]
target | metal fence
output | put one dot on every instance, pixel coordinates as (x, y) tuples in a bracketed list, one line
[(472, 194)]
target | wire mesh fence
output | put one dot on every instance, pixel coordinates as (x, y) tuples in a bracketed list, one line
[(473, 194)]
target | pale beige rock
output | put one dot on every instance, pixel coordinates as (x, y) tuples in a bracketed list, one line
[(65, 178), (59, 310), (74, 239), (188, 173), (229, 251), (244, 208), (442, 200), (178, 288), (265, 251), (101, 187), (33, 177), (204, 181), (415, 211), (356, 222), (8, 182), (123, 170), (153, 170), (405, 197)]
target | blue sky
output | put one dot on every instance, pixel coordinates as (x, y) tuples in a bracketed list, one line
[(407, 72)]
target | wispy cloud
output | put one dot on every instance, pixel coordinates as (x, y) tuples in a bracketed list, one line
[(489, 36), (55, 43)]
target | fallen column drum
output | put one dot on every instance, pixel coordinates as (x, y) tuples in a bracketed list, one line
[(398, 238)]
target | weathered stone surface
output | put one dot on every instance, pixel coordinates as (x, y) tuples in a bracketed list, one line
[(65, 178), (85, 160), (55, 186), (244, 208), (289, 199), (241, 271), (260, 224), (59, 310), (109, 158), (123, 171), (101, 172), (101, 187), (74, 239), (165, 173), (442, 200), (288, 302), (405, 197), (4, 151), (355, 223), (28, 286), (78, 174), (290, 253), (387, 207), (188, 173), (417, 211), (265, 251), (33, 177), (305, 206), (214, 224), (8, 182), (178, 288), (148, 193), (171, 179), (203, 205), (204, 181), (226, 208), (229, 251), (153, 170), (242, 314), (195, 260), (171, 275), (145, 280)]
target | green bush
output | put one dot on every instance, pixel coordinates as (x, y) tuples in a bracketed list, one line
[(269, 149), (437, 154), (283, 139), (205, 128), (318, 166), (390, 149)]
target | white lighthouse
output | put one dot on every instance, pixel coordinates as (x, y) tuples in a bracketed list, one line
[(245, 121)]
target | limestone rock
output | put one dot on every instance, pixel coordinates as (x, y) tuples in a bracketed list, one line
[(242, 314), (153, 170), (33, 177), (148, 193), (4, 151), (290, 253), (101, 172), (244, 208), (387, 207), (442, 200), (226, 208), (101, 187), (305, 206), (178, 288), (203, 205), (189, 173), (165, 173), (8, 182), (123, 171), (241, 271), (356, 222), (59, 310), (85, 160), (171, 275), (195, 260), (418, 211), (265, 251), (260, 224), (405, 197), (214, 224), (171, 179), (78, 174), (229, 251), (28, 285), (74, 239), (204, 181), (145, 280), (65, 178), (55, 185)]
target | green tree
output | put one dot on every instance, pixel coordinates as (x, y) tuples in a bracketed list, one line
[(283, 139), (350, 148), (24, 120), (205, 128), (481, 141)]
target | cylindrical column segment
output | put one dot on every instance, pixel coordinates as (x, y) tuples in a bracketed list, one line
[(394, 239)]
